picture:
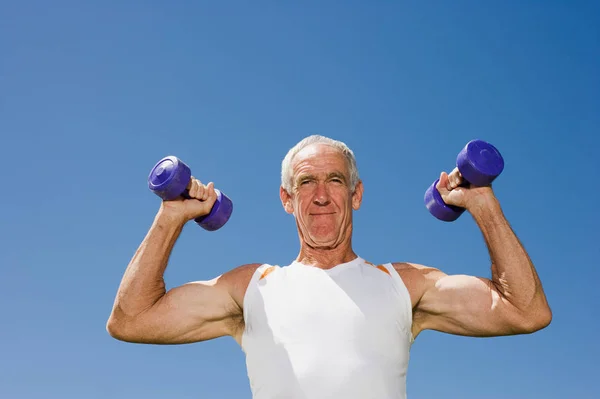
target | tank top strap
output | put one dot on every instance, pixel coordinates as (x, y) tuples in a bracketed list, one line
[(403, 293), (260, 273)]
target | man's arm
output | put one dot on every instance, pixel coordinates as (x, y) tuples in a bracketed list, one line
[(144, 312), (511, 302)]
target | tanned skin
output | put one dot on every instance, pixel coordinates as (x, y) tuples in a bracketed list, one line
[(322, 202)]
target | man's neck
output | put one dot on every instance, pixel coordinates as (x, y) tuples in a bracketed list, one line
[(325, 258)]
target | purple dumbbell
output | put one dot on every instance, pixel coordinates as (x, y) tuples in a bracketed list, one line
[(479, 164), (169, 179)]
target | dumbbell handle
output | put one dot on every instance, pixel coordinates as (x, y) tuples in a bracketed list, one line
[(455, 174), (186, 195), (170, 178), (478, 163)]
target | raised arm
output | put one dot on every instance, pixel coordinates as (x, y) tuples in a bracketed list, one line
[(144, 312), (511, 302)]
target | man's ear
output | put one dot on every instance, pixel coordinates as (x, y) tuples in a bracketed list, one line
[(286, 200), (357, 195)]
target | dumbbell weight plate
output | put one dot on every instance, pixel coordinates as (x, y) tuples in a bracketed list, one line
[(169, 178), (479, 163), (438, 208), (219, 214)]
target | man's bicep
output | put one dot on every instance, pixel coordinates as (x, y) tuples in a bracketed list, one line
[(466, 305), (193, 312)]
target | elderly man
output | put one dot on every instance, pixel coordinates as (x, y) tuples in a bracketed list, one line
[(330, 324)]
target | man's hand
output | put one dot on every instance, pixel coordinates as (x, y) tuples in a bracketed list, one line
[(144, 311), (200, 203), (455, 191)]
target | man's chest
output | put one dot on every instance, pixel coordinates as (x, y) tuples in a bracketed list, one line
[(358, 305)]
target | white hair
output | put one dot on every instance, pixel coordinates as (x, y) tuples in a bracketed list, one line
[(286, 165)]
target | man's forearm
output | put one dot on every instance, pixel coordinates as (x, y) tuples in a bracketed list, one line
[(143, 283), (512, 270)]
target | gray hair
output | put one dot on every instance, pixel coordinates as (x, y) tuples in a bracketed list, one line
[(286, 165)]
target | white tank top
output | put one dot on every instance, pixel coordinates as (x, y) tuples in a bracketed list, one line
[(341, 333)]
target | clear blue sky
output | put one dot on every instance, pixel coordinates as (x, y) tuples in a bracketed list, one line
[(93, 93)]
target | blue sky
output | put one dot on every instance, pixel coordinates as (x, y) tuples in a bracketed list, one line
[(92, 94)]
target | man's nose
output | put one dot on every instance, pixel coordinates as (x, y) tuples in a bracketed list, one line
[(321, 195)]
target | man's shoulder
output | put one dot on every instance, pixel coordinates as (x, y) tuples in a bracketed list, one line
[(237, 279), (417, 277), (241, 274), (411, 268)]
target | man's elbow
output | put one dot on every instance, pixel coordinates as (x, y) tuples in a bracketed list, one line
[(544, 318), (119, 329), (536, 320), (114, 328)]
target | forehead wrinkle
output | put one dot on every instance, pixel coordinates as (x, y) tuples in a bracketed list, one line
[(317, 165)]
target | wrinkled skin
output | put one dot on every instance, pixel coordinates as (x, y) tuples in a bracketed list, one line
[(322, 200)]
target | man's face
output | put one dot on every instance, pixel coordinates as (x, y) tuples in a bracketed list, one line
[(321, 199)]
